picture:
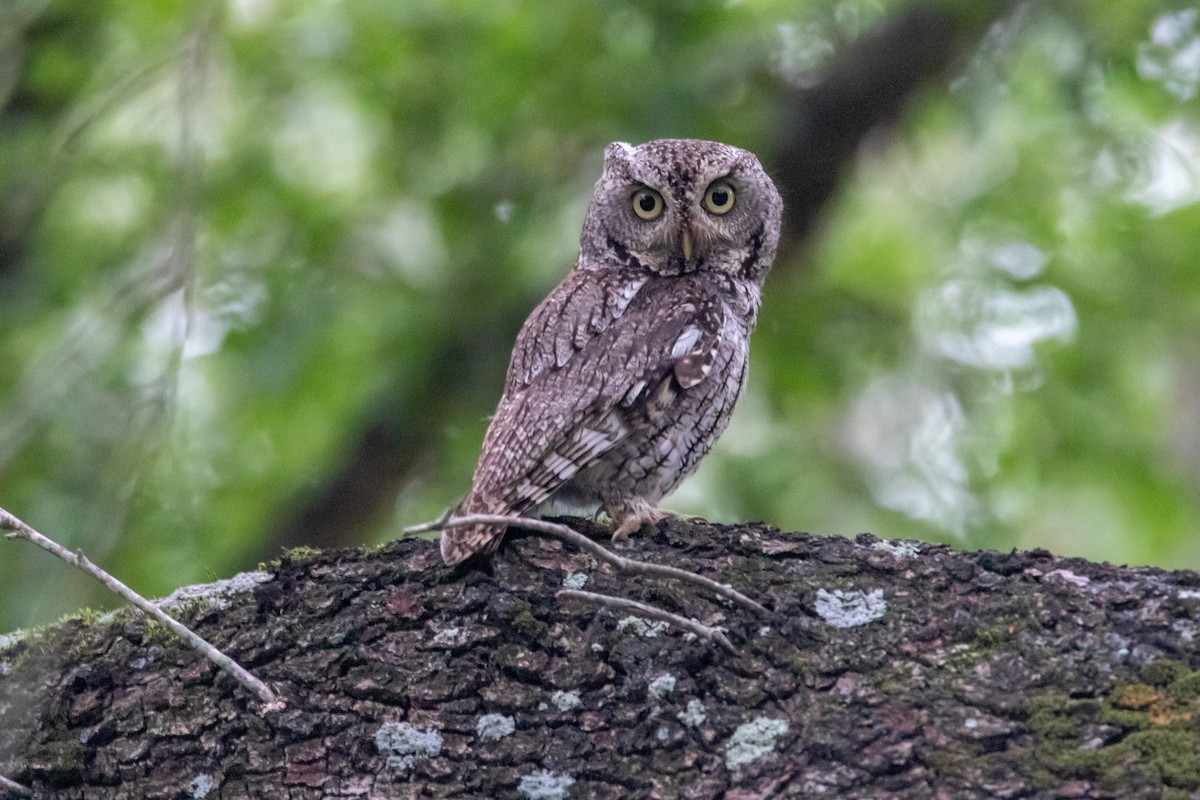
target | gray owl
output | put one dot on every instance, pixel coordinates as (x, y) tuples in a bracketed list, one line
[(623, 378)]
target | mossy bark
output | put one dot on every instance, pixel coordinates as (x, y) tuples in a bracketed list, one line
[(965, 675)]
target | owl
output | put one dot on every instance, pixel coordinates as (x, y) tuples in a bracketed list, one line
[(622, 379)]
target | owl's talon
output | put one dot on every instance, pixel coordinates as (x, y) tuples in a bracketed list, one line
[(627, 527), (634, 521)]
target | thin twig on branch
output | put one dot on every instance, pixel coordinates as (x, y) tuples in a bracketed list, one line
[(19, 530), (12, 787), (688, 624), (628, 566)]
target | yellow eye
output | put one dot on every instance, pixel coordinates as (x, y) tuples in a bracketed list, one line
[(719, 197), (647, 204)]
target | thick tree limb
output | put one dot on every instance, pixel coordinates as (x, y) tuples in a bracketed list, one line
[(872, 82), (889, 670)]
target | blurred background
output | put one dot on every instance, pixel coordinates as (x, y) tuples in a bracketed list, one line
[(262, 264)]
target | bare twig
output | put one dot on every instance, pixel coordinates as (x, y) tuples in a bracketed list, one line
[(433, 524), (628, 566), (19, 530), (700, 629), (12, 787)]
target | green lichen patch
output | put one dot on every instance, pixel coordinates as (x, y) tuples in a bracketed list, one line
[(30, 642), (565, 701), (648, 629), (293, 555), (155, 632), (694, 715), (661, 686), (493, 727), (301, 553), (405, 745), (544, 785), (574, 580), (202, 786), (9, 641), (189, 600), (1140, 733), (522, 620), (1172, 700), (850, 608), (753, 740), (1172, 752)]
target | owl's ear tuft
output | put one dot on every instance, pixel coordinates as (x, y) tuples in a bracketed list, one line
[(618, 149)]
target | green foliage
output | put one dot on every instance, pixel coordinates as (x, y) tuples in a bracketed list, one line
[(234, 234)]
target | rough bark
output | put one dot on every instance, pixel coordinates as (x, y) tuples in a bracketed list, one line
[(958, 675)]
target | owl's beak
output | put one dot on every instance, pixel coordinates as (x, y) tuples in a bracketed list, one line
[(687, 245)]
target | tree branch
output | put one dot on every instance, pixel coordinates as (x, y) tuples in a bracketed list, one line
[(627, 566), (19, 530), (12, 787), (871, 83), (884, 672), (654, 612)]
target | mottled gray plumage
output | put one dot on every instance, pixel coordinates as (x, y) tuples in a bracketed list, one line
[(623, 378)]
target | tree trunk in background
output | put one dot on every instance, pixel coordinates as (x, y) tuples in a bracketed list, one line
[(887, 670)]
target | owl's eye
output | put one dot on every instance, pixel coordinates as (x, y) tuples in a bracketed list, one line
[(647, 204), (719, 197)]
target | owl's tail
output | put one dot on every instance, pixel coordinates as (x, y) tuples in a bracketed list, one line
[(461, 542)]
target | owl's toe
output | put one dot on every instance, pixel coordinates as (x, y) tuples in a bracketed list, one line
[(634, 520), (627, 527)]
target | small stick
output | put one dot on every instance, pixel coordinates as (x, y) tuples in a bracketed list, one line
[(19, 530), (433, 524), (12, 787), (700, 629), (629, 566)]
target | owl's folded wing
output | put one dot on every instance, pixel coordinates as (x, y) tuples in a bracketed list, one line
[(578, 386)]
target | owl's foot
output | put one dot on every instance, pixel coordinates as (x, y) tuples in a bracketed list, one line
[(634, 516)]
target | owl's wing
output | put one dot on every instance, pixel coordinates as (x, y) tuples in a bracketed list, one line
[(580, 308), (596, 360)]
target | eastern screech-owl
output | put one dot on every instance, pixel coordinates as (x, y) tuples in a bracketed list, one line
[(623, 378)]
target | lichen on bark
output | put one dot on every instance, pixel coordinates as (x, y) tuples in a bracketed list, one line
[(985, 675)]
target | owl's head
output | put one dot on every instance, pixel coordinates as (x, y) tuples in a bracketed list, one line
[(683, 205)]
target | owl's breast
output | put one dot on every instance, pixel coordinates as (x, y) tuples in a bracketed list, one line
[(672, 428)]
